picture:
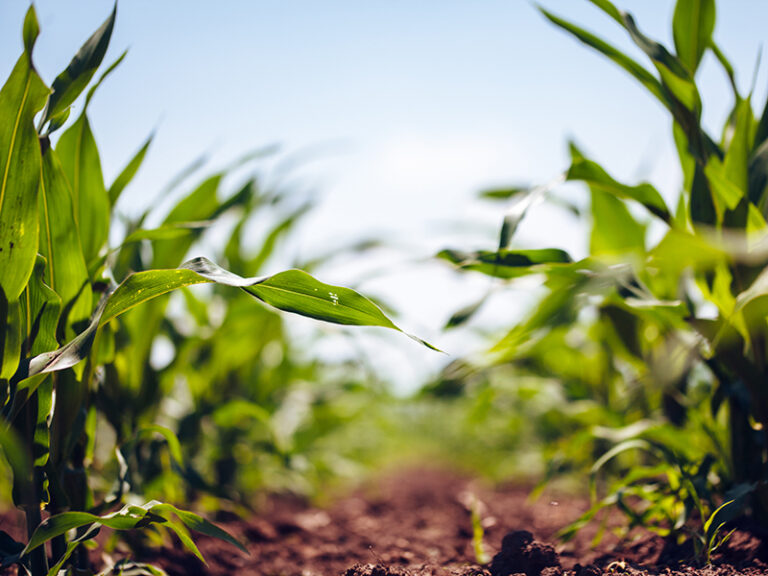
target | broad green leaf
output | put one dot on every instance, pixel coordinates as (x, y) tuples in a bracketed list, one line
[(66, 273), (298, 292), (593, 174), (614, 229), (130, 170), (71, 82), (506, 264), (637, 71), (692, 27), (22, 96), (80, 160), (291, 291)]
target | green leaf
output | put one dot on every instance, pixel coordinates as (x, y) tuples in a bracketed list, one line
[(66, 273), (614, 229), (22, 96), (506, 264), (291, 291), (80, 160), (167, 231), (11, 337), (130, 518), (758, 176), (503, 193), (71, 82), (738, 150), (591, 173), (725, 190), (692, 27), (130, 170), (41, 306), (637, 71)]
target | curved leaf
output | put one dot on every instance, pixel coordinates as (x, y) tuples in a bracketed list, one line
[(71, 82), (22, 96), (506, 264), (129, 518), (692, 27)]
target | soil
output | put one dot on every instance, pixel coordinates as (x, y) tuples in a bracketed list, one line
[(419, 522)]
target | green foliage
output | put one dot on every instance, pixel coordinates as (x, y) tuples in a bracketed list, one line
[(81, 319), (628, 333)]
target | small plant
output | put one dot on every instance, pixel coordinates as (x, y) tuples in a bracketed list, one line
[(78, 318)]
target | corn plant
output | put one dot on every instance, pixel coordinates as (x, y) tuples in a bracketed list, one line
[(79, 318), (631, 326)]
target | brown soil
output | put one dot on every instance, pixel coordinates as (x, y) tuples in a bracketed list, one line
[(419, 522)]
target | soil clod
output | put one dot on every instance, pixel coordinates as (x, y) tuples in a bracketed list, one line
[(521, 553)]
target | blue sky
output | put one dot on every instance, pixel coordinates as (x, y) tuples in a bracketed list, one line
[(410, 107)]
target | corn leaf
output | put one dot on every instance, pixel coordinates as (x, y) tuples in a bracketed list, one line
[(22, 96), (129, 518), (71, 82), (128, 173), (66, 272), (692, 27), (637, 71), (506, 264), (80, 160), (585, 170)]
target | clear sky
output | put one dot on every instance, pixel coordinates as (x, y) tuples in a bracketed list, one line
[(409, 106)]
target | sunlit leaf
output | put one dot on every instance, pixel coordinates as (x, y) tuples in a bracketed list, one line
[(71, 82), (22, 96)]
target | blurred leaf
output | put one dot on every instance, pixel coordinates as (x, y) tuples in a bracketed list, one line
[(758, 176), (593, 174), (69, 84), (640, 73), (614, 229), (506, 263), (130, 170), (738, 149), (167, 231), (503, 193), (466, 313), (22, 96), (692, 27)]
